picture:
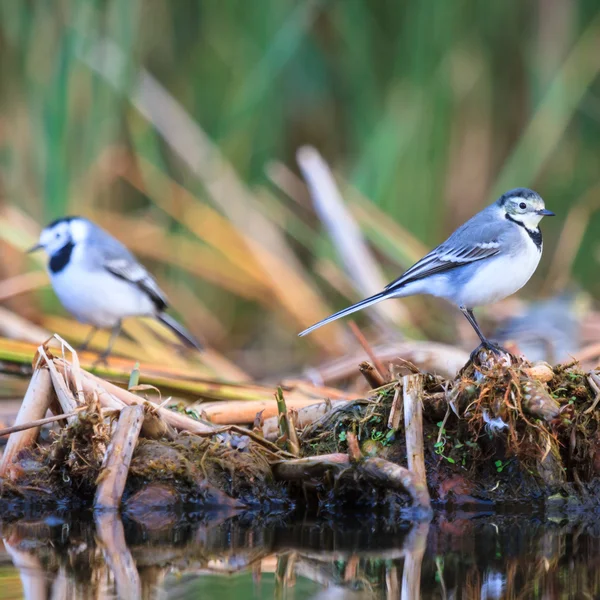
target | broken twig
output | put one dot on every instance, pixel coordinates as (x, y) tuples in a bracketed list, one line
[(413, 425), (38, 398), (370, 373), (113, 475)]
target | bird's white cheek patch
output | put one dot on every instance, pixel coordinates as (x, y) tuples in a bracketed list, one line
[(530, 220), (79, 230)]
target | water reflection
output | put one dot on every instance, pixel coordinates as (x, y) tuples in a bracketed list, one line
[(238, 556)]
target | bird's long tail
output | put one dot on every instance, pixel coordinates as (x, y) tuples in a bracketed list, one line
[(179, 330), (348, 311)]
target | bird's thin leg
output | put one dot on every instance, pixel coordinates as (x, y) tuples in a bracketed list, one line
[(88, 339), (116, 330), (468, 312)]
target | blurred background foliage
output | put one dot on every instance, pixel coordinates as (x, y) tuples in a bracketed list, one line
[(175, 125)]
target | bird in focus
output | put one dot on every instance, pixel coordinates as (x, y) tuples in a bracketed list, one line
[(486, 259), (100, 282)]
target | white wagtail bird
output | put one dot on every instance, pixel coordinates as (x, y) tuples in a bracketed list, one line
[(485, 260), (100, 282)]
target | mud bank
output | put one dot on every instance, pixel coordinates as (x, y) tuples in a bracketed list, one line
[(503, 431)]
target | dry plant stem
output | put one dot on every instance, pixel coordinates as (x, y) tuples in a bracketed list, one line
[(396, 409), (36, 402), (39, 422), (111, 535), (306, 416), (282, 412), (353, 447), (413, 426), (430, 357), (345, 233), (374, 379), (395, 477), (113, 396), (594, 383), (113, 475), (244, 411), (362, 340), (63, 393), (293, 441), (302, 469)]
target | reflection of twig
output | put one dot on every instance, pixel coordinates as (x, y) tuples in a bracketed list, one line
[(30, 571), (111, 536), (411, 574)]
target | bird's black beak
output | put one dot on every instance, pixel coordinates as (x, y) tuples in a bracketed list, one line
[(34, 248), (545, 212)]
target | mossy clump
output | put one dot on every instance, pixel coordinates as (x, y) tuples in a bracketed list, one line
[(497, 432)]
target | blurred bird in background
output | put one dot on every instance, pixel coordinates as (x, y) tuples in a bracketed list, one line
[(100, 282)]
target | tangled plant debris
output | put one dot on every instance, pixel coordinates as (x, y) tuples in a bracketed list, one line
[(501, 431)]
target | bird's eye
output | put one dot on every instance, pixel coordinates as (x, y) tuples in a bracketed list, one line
[(57, 235), (522, 206)]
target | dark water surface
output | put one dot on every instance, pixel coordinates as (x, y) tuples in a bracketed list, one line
[(162, 555)]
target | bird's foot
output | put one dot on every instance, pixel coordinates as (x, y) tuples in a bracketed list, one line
[(479, 352), (101, 360)]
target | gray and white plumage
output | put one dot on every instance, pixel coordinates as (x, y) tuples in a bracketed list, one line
[(99, 281), (486, 259)]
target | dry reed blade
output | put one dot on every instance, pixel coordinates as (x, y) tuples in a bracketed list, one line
[(362, 268), (285, 275)]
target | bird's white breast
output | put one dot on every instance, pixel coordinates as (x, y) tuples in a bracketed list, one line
[(97, 297), (500, 277)]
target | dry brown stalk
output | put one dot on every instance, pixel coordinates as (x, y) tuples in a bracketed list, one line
[(306, 416), (115, 469), (395, 477), (413, 426), (373, 377), (362, 340), (112, 396), (65, 398), (39, 422), (293, 441), (396, 409), (36, 402), (353, 448), (430, 357), (244, 411), (301, 469)]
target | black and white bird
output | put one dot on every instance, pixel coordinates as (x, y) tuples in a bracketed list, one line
[(100, 282), (486, 259)]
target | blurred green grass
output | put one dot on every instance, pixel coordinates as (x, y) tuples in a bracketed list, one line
[(425, 110)]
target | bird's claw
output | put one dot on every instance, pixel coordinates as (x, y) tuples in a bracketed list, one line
[(101, 361), (496, 349)]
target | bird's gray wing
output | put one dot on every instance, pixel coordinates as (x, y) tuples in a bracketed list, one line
[(130, 270), (104, 252), (479, 238), (443, 259)]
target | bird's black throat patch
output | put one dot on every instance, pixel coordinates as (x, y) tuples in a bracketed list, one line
[(61, 258), (534, 234)]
